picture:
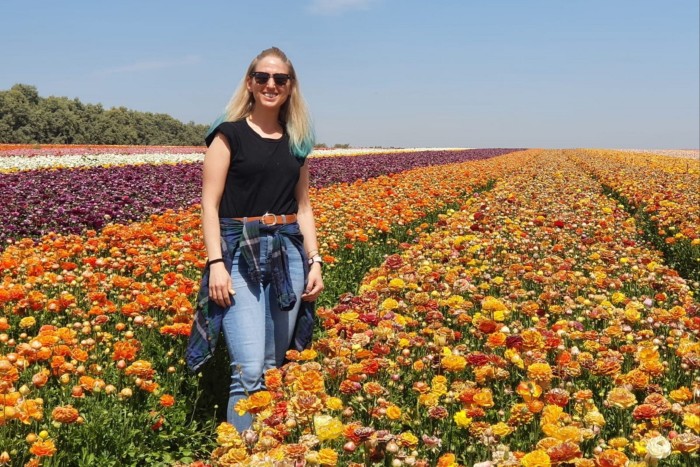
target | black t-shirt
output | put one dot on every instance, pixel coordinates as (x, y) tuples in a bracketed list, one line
[(262, 173)]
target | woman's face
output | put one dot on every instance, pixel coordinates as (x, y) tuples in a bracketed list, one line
[(270, 94)]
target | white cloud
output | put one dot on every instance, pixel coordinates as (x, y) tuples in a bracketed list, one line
[(336, 7), (151, 65)]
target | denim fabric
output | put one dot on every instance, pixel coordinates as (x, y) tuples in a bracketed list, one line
[(206, 325), (257, 332)]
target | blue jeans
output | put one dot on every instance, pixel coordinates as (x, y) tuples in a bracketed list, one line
[(258, 334)]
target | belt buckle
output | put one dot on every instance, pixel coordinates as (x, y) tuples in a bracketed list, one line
[(274, 217)]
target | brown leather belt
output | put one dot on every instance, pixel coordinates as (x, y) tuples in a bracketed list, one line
[(270, 219)]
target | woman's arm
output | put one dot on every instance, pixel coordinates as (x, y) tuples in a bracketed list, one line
[(305, 218), (216, 163)]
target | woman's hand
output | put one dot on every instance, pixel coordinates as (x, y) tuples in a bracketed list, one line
[(314, 285), (220, 286)]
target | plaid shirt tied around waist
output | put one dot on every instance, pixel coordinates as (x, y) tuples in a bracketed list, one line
[(208, 315)]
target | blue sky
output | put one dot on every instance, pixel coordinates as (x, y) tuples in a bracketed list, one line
[(453, 73)]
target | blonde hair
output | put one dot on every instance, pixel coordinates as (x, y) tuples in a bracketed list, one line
[(294, 114)]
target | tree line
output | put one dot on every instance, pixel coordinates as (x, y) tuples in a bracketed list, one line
[(26, 117)]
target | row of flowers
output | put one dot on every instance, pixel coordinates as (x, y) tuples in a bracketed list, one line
[(20, 163), (60, 150), (666, 188), (64, 150), (39, 202), (684, 153), (83, 317), (662, 193), (10, 161), (533, 328)]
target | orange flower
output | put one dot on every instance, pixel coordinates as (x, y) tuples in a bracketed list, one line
[(31, 409), (528, 390), (310, 381), (10, 399), (497, 339), (484, 398), (305, 403), (564, 452), (8, 372), (373, 389), (141, 368), (125, 350), (621, 398), (259, 401), (645, 412), (43, 448), (167, 400), (67, 414), (447, 460), (273, 379), (611, 458)]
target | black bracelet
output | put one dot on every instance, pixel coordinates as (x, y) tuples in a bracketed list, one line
[(213, 261)]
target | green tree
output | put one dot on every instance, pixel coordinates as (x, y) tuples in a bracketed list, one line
[(25, 117)]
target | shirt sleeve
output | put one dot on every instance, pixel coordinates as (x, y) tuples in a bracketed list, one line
[(226, 129)]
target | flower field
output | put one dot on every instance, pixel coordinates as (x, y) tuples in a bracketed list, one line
[(523, 307)]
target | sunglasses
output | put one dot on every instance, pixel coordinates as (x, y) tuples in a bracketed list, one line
[(262, 77)]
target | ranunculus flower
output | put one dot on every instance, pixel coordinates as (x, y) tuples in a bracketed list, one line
[(621, 398), (658, 447), (327, 427), (67, 414), (536, 458)]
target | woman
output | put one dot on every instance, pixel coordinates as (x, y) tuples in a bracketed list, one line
[(259, 230)]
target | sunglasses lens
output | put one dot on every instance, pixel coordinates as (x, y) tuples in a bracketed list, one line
[(261, 77), (281, 79)]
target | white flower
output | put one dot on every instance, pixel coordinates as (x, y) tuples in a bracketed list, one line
[(659, 447)]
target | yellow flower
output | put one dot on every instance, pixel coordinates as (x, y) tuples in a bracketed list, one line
[(618, 297), (454, 301), (393, 412), (640, 448), (454, 363), (389, 304), (334, 403), (308, 354), (408, 439), (327, 456), (461, 419), (327, 427), (349, 317), (692, 421), (539, 372), (569, 433), (682, 394), (551, 414), (234, 456), (492, 304), (397, 284), (537, 458), (27, 322), (501, 429), (595, 418), (618, 443)]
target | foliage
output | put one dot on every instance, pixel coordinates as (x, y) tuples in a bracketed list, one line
[(26, 117)]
